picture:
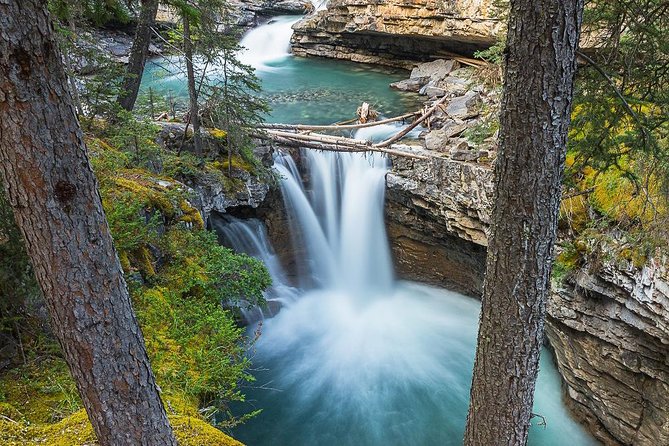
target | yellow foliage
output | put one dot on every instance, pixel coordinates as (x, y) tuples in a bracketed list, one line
[(574, 210), (218, 133), (619, 198)]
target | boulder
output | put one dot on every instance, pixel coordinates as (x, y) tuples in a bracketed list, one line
[(413, 85), (436, 70), (465, 106), (438, 141)]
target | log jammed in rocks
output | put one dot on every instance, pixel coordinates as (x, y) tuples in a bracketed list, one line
[(344, 144)]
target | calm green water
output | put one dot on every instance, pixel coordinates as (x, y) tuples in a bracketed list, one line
[(307, 91)]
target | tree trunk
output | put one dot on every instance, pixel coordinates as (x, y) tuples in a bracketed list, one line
[(539, 73), (54, 195), (138, 55), (192, 91)]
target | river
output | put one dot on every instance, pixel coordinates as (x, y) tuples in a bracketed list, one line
[(355, 356)]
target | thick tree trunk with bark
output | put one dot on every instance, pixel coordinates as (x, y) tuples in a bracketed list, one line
[(54, 195), (192, 89), (138, 55), (540, 66)]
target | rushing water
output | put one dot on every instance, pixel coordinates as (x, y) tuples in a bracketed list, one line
[(358, 358), (354, 357)]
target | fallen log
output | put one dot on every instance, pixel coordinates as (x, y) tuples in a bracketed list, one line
[(336, 126), (318, 137), (477, 63), (339, 145)]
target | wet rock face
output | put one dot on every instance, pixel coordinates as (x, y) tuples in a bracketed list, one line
[(391, 32), (610, 331), (437, 213)]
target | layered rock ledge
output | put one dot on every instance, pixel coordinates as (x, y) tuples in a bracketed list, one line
[(609, 327), (390, 32)]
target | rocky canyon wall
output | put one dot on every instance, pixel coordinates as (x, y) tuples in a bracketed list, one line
[(391, 32), (608, 324)]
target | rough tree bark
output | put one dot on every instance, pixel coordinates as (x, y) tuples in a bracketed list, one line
[(192, 90), (138, 55), (539, 73), (54, 195)]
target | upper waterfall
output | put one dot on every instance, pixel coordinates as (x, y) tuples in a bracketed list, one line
[(268, 43)]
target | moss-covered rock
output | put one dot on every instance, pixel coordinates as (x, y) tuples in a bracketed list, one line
[(76, 430)]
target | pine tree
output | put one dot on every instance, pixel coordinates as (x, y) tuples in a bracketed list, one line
[(53, 193), (538, 86)]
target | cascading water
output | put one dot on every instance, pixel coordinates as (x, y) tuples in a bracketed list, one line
[(268, 43), (341, 226), (250, 237)]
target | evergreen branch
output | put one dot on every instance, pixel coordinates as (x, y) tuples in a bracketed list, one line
[(618, 93)]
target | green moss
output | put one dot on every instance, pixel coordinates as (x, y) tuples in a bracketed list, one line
[(197, 351), (636, 257), (76, 430), (144, 261), (236, 162), (191, 431), (13, 433), (9, 411), (149, 192), (567, 261), (42, 389)]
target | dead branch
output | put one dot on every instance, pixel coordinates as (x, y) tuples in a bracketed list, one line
[(422, 118), (330, 144)]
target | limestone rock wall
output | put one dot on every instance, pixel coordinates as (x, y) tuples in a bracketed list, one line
[(608, 325), (437, 213), (391, 32), (609, 328)]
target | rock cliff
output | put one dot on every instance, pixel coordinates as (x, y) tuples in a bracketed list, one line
[(437, 214), (215, 192), (609, 327), (390, 32)]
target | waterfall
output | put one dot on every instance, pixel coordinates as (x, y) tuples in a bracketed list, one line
[(250, 237), (268, 43), (355, 357), (340, 219)]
